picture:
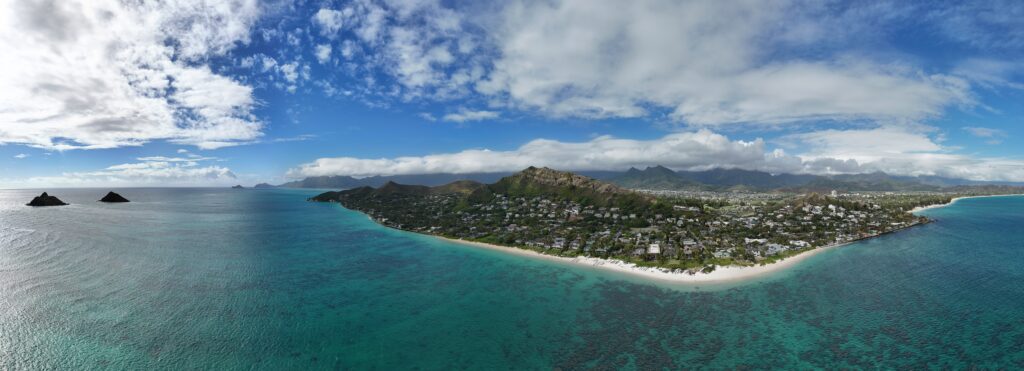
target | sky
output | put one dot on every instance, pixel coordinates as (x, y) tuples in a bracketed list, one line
[(97, 93)]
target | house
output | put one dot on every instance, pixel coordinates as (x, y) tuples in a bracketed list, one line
[(799, 243)]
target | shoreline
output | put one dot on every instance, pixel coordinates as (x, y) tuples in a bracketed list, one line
[(721, 274), (954, 200)]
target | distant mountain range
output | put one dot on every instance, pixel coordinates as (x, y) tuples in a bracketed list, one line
[(530, 182), (662, 178)]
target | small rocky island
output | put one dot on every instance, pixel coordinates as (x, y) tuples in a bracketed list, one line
[(113, 197), (46, 200), (237, 186)]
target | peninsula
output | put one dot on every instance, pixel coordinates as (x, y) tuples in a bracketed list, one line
[(562, 214)]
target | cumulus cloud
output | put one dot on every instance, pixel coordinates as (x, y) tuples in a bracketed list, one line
[(898, 150), (21, 156), (466, 115), (323, 53), (703, 61), (420, 47), (105, 74), (427, 116), (866, 145), (329, 21), (148, 171), (291, 72)]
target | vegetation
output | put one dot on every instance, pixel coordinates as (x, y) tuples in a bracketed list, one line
[(565, 214)]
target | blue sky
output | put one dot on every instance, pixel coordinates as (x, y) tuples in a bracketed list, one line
[(180, 93)]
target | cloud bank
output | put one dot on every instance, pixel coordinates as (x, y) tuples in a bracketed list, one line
[(155, 171), (893, 150), (697, 150)]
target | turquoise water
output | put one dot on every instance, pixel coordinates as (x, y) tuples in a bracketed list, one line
[(261, 279)]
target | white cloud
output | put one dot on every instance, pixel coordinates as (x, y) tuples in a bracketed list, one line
[(149, 171), (865, 145), (21, 156), (290, 71), (323, 53), (898, 151), (247, 62), (984, 132), (691, 150), (267, 63), (994, 136), (704, 61), (330, 21), (427, 116), (297, 138), (105, 74), (348, 49), (466, 115), (294, 38), (419, 46)]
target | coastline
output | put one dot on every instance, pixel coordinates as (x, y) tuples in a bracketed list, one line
[(728, 273), (954, 200), (720, 274)]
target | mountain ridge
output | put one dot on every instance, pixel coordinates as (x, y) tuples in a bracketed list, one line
[(530, 182), (662, 178)]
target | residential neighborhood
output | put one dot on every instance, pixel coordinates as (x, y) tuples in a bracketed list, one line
[(679, 232)]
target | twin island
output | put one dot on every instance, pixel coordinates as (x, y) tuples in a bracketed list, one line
[(48, 200)]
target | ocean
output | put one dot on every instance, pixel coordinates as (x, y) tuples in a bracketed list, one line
[(262, 279)]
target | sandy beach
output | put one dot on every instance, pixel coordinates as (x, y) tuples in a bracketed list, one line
[(954, 200), (720, 274)]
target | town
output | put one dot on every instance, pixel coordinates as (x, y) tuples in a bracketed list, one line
[(676, 232)]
